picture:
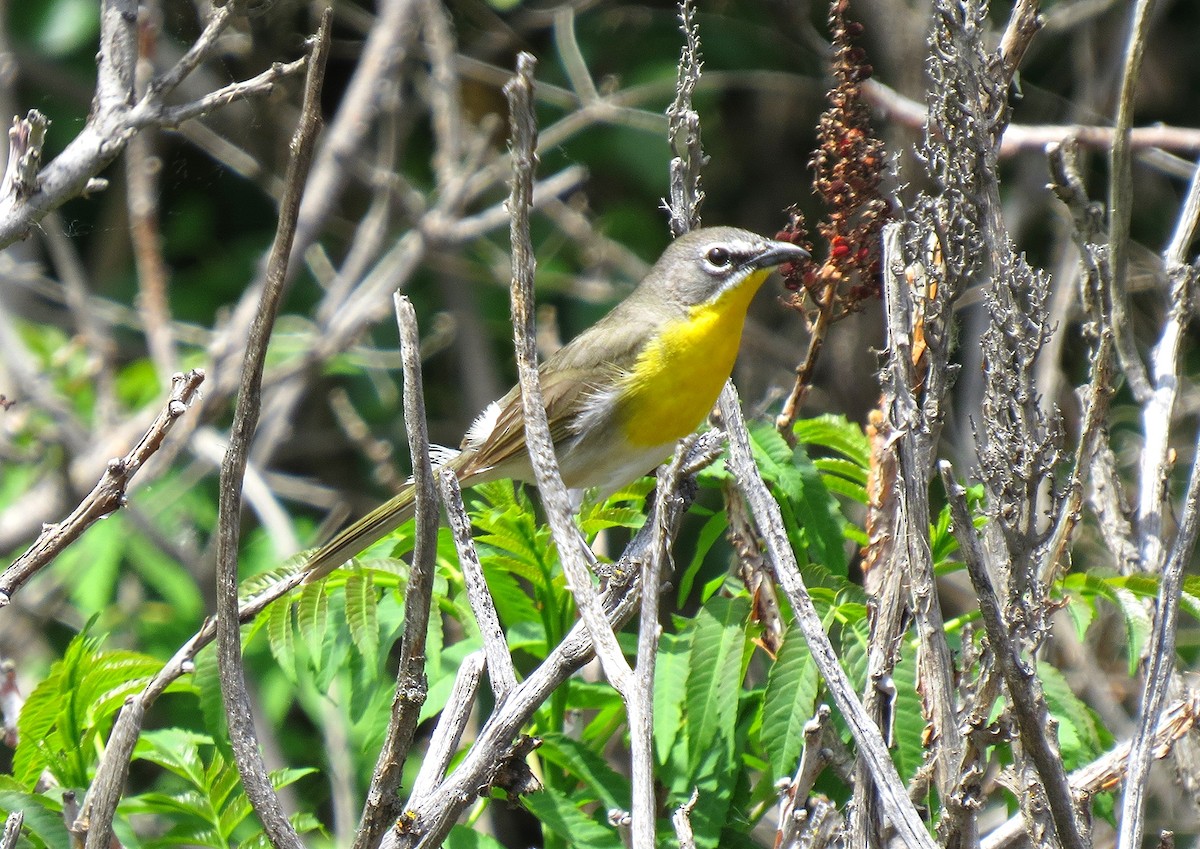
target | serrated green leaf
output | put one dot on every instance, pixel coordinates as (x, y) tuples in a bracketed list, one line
[(908, 720), (281, 636), (206, 678), (190, 834), (312, 614), (1128, 594), (362, 616), (302, 822), (462, 837), (175, 750), (43, 816), (560, 815), (607, 517), (188, 803), (670, 681), (603, 783), (847, 489), (841, 469), (75, 701), (715, 674), (788, 703), (810, 511), (1081, 736), (836, 433), (712, 530)]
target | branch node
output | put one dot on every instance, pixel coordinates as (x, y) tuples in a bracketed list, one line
[(25, 140)]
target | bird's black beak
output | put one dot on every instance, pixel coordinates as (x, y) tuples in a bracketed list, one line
[(778, 253)]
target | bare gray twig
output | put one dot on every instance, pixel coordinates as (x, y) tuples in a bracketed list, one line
[(500, 668), (107, 497), (1120, 206), (683, 132), (242, 736), (1160, 662), (12, 830), (898, 810), (382, 805), (537, 429), (1027, 701)]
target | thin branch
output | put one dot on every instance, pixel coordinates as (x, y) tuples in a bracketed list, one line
[(537, 429), (681, 820), (1023, 25), (26, 138), (443, 743), (171, 117), (683, 132), (1159, 406), (1033, 138), (501, 671), (640, 699), (386, 48), (114, 119), (12, 830), (1110, 769), (236, 698), (1160, 663), (428, 817), (913, 445), (1120, 207), (897, 808), (218, 20), (142, 200), (95, 815), (1027, 701), (107, 496), (382, 805), (572, 57)]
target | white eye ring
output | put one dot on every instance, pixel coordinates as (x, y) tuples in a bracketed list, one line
[(719, 258)]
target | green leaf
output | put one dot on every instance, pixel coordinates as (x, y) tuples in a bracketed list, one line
[(281, 636), (561, 816), (1128, 594), (817, 517), (362, 617), (670, 679), (908, 720), (712, 531), (175, 750), (836, 433), (789, 703), (43, 815), (1081, 736), (75, 701), (715, 674), (98, 554), (603, 783), (461, 837), (302, 822), (850, 473), (312, 614)]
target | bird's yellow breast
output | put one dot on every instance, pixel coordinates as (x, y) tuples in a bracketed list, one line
[(678, 376)]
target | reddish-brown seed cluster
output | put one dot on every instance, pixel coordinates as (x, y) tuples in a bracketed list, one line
[(848, 168)]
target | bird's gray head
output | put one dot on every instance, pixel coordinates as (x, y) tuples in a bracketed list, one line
[(700, 266)]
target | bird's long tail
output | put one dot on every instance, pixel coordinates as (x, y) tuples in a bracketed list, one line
[(369, 529)]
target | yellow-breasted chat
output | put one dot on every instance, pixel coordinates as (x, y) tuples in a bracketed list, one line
[(622, 393)]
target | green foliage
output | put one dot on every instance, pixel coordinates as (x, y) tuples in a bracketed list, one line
[(43, 825), (206, 805), (69, 713)]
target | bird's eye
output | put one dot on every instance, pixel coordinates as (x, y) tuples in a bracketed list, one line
[(718, 257)]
